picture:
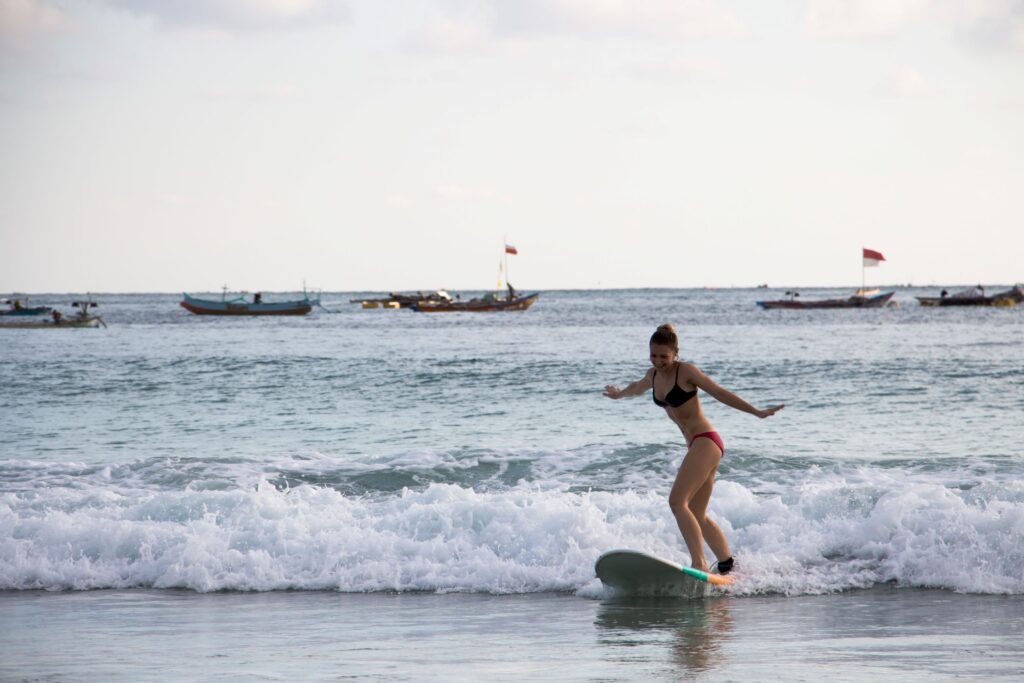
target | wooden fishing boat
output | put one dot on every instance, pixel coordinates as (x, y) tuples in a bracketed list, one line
[(876, 301), (975, 297), (490, 301), (63, 323), (485, 304), (862, 298), (18, 307), (240, 305), (81, 318), (396, 300)]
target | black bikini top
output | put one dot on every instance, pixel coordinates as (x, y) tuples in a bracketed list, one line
[(676, 396)]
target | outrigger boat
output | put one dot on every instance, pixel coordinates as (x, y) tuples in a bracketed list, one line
[(975, 297), (489, 302), (18, 307), (81, 318), (876, 301), (862, 298), (485, 304), (240, 305)]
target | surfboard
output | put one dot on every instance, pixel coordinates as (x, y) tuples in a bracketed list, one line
[(632, 572)]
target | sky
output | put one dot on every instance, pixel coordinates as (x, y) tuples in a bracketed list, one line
[(150, 145)]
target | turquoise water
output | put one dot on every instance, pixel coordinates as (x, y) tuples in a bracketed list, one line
[(381, 451)]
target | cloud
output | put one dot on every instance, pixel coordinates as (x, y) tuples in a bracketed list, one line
[(278, 92), (460, 193), (399, 200), (480, 25), (904, 82), (681, 69), (988, 24), (996, 24), (20, 19), (239, 15), (666, 18), (451, 35), (645, 125), (860, 19), (176, 200)]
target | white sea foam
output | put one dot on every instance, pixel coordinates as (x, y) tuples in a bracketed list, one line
[(826, 531)]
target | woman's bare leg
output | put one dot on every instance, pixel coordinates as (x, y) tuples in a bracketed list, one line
[(713, 536), (689, 500)]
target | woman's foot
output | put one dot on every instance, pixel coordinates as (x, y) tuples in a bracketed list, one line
[(725, 566)]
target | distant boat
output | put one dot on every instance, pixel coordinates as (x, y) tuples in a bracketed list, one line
[(489, 302), (862, 298), (975, 297), (876, 301), (81, 318), (18, 307), (48, 324), (241, 306), (394, 300), (484, 304)]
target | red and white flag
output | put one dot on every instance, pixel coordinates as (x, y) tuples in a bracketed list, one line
[(509, 249), (872, 257)]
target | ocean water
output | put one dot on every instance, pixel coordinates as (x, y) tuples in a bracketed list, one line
[(387, 452)]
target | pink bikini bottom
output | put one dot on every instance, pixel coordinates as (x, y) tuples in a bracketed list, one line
[(714, 437)]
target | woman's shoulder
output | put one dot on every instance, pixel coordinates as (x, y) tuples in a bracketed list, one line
[(689, 370)]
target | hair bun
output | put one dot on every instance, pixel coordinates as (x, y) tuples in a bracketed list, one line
[(666, 335)]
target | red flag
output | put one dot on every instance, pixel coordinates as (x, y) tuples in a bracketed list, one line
[(872, 257), (509, 249)]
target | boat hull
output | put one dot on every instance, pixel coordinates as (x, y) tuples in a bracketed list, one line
[(399, 301), (49, 324), (478, 305), (1010, 297), (876, 301), (211, 307), (33, 310)]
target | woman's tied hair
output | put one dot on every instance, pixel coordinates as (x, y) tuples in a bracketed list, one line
[(665, 335)]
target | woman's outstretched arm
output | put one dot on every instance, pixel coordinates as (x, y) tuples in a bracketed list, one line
[(697, 378), (634, 389)]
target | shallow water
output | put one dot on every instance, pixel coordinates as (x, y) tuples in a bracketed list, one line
[(879, 634)]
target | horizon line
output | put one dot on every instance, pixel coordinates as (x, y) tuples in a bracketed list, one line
[(14, 293)]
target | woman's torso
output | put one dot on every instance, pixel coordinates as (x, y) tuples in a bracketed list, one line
[(671, 387)]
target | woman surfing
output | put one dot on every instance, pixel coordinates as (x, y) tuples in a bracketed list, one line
[(676, 383)]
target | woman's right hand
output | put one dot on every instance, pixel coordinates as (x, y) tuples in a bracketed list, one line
[(612, 391)]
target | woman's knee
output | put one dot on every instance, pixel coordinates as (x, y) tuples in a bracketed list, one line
[(678, 502)]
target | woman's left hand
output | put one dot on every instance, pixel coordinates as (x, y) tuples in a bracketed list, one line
[(768, 412)]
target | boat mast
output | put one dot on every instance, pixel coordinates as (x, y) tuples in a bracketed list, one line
[(504, 250), (863, 287)]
